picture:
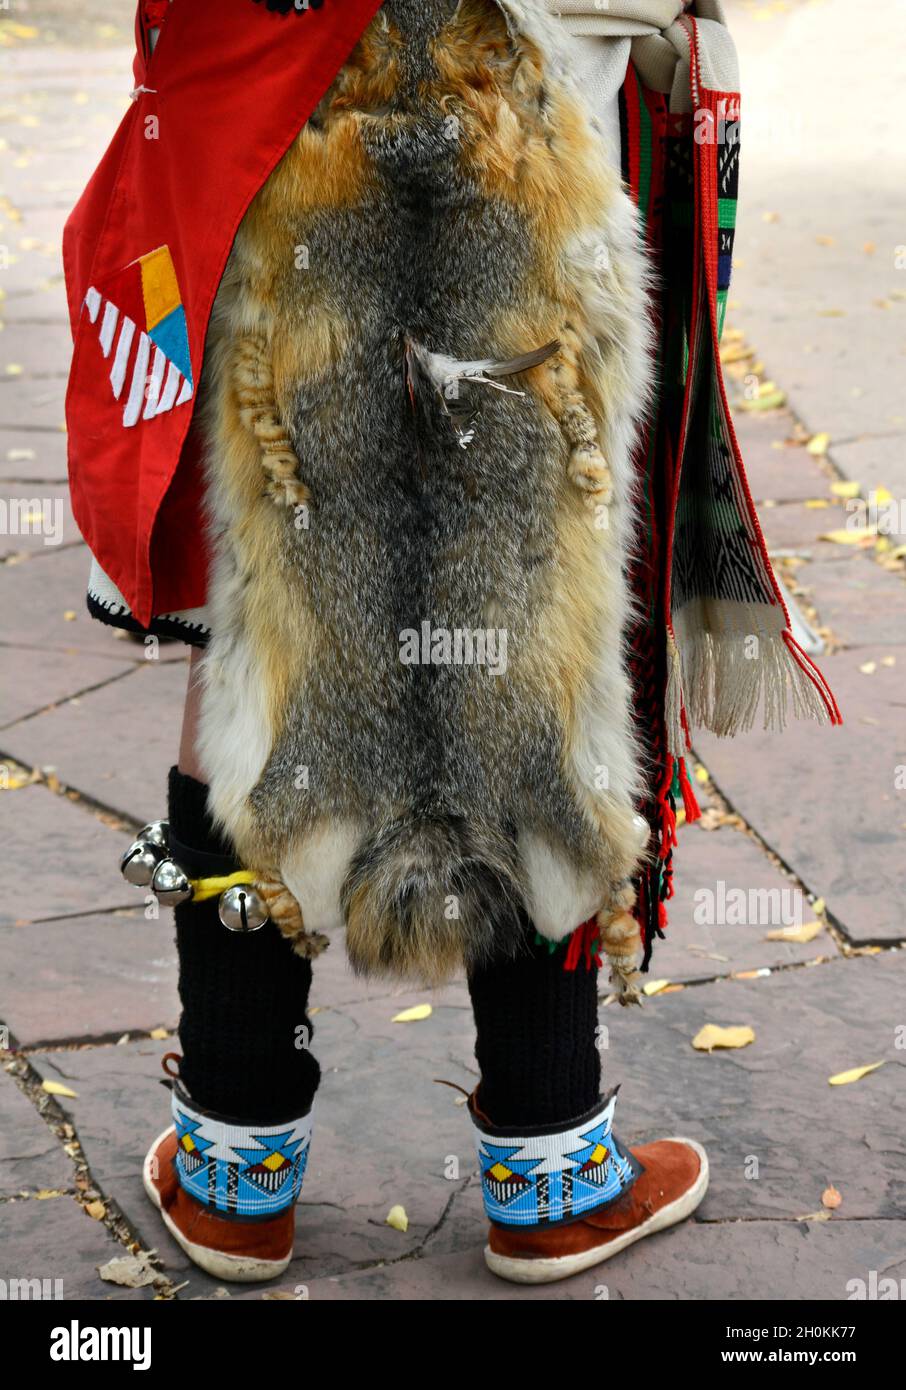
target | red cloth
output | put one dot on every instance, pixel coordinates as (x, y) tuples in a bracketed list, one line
[(154, 12), (228, 87)]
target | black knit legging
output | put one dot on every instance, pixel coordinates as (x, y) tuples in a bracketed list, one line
[(244, 1030)]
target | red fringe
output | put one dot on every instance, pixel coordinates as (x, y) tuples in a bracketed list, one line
[(584, 944), (667, 812), (690, 805), (803, 660)]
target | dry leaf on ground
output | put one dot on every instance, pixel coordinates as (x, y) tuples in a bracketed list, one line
[(831, 1198), (397, 1218), (413, 1015), (804, 931), (769, 400), (56, 1088), (844, 1078), (851, 535), (712, 1035), (131, 1271)]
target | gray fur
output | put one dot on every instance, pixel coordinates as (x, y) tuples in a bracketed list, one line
[(447, 764)]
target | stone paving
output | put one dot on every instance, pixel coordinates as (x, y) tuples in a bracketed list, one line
[(810, 824)]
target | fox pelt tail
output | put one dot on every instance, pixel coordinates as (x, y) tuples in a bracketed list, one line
[(428, 894)]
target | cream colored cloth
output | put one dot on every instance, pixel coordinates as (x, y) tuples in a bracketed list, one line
[(651, 33)]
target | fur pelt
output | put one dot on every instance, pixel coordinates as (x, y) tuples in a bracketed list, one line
[(384, 473)]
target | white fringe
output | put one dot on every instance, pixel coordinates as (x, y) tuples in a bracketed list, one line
[(722, 685)]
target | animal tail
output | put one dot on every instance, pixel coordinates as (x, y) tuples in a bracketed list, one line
[(427, 895)]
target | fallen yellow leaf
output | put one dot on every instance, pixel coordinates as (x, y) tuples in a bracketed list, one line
[(868, 668), (818, 907), (817, 445), (768, 400), (712, 1035), (397, 1218), (843, 1078), (655, 986), (831, 1198), (804, 931), (846, 489), (56, 1088), (735, 352), (96, 1210), (413, 1015), (816, 504), (850, 535), (158, 1034)]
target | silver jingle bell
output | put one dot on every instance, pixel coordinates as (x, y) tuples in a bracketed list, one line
[(156, 833), (139, 862), (170, 884), (242, 909)]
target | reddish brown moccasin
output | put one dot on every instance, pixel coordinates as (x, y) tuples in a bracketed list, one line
[(242, 1251), (674, 1181)]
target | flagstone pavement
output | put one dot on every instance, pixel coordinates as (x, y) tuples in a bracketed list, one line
[(809, 825)]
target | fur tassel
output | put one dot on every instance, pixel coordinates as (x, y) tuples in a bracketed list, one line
[(621, 940), (423, 897), (285, 913)]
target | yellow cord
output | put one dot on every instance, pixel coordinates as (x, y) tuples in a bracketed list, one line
[(212, 887)]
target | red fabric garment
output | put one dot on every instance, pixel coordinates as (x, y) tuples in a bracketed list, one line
[(154, 12), (217, 104)]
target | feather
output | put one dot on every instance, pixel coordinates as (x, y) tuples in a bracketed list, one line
[(444, 373)]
